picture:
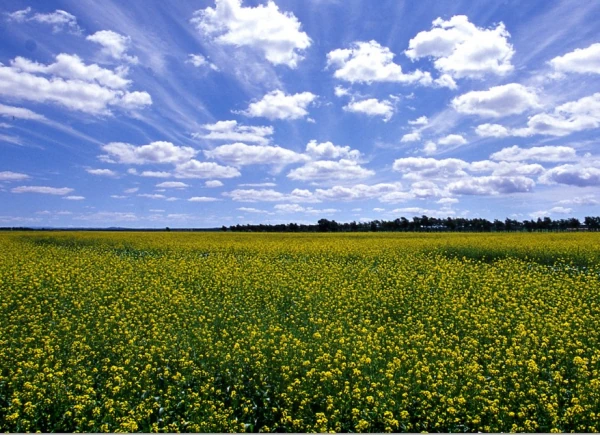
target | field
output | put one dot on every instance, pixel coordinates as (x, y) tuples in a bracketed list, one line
[(220, 332)]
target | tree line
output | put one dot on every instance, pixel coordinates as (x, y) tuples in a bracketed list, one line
[(429, 224)]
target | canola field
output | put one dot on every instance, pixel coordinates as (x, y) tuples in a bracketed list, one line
[(223, 332)]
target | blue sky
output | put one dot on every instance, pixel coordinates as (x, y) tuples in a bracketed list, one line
[(210, 113)]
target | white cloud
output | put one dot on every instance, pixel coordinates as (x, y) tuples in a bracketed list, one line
[(156, 152), (152, 195), (200, 61), (367, 62), (553, 210), (447, 201), (295, 208), (152, 174), (581, 60), (270, 195), (359, 192), (575, 175), (540, 154), (42, 189), (506, 168), (59, 19), (257, 185), (102, 172), (131, 190), (72, 84), (172, 185), (422, 120), (330, 170), (12, 176), (492, 130), (327, 150), (213, 183), (231, 130), (196, 169), (452, 140), (202, 199), (372, 107), (340, 91), (415, 136), (510, 99), (574, 116), (253, 210), (74, 198), (461, 49), (70, 66), (240, 154), (278, 105), (581, 200), (276, 35), (113, 44), (491, 185), (422, 167), (424, 211), (20, 113)]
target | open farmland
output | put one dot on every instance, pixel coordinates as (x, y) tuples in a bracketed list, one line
[(211, 332)]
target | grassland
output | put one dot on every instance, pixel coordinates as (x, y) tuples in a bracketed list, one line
[(299, 332)]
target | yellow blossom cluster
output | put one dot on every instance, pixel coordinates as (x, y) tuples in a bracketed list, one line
[(230, 332)]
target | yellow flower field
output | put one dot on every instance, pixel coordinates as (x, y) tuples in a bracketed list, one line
[(223, 332)]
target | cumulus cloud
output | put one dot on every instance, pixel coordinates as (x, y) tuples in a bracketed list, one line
[(422, 120), (423, 167), (367, 62), (371, 107), (461, 49), (359, 192), (415, 136), (42, 189), (213, 183), (296, 208), (276, 35), (202, 199), (152, 195), (160, 152), (59, 19), (102, 172), (70, 83), (240, 154), (510, 99), (197, 169), (452, 140), (200, 61), (12, 176), (424, 211), (278, 105), (172, 185), (329, 151), (114, 45), (491, 185), (270, 195), (581, 200), (553, 210), (571, 117), (20, 113), (574, 175), (540, 154), (323, 170), (492, 130), (231, 130), (581, 60), (507, 168)]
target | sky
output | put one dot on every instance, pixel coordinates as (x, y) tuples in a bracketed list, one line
[(221, 112)]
